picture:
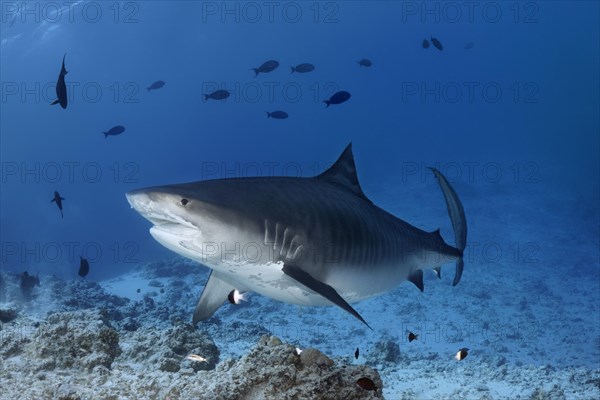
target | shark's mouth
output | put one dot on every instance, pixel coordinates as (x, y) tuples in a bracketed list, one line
[(179, 228), (169, 226), (170, 222)]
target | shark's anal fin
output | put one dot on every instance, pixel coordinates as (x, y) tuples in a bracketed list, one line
[(321, 288), (213, 296), (417, 279)]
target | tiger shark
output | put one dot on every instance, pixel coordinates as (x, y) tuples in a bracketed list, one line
[(314, 241)]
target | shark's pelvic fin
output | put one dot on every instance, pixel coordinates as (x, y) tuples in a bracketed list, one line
[(457, 217), (321, 288), (417, 279), (343, 172), (213, 296)]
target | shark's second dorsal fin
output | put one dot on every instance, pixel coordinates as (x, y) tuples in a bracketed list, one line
[(343, 172)]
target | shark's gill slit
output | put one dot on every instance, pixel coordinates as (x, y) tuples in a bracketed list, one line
[(286, 242), (267, 237)]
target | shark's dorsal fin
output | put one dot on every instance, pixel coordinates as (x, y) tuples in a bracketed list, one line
[(343, 172)]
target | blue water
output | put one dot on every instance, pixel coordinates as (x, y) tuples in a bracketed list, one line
[(516, 116)]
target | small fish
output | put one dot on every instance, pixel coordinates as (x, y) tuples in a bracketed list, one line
[(217, 95), (366, 384), (437, 44), (356, 353), (58, 200), (84, 267), (425, 43), (61, 87), (297, 351), (277, 114), (365, 62), (138, 291), (469, 45), (267, 66), (303, 68), (412, 336), (338, 98), (114, 131), (195, 357), (156, 85), (235, 297), (461, 354)]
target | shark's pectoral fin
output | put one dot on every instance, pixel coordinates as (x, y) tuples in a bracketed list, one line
[(213, 296), (321, 288), (417, 279), (54, 102)]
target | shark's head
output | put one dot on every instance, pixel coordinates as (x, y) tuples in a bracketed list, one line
[(187, 221)]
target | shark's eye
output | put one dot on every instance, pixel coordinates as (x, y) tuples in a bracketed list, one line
[(184, 202)]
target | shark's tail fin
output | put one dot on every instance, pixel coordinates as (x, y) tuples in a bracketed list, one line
[(457, 216)]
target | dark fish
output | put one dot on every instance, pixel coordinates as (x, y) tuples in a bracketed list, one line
[(461, 354), (412, 336), (58, 201), (303, 68), (114, 131), (365, 62), (356, 353), (469, 46), (84, 267), (366, 384), (235, 297), (425, 43), (277, 114), (156, 85), (437, 44), (338, 98), (28, 282), (267, 66), (218, 95), (61, 87), (138, 291)]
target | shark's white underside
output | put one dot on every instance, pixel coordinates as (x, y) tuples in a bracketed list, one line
[(265, 276)]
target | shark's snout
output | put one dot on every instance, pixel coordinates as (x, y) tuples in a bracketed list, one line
[(142, 202), (137, 199), (159, 207)]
